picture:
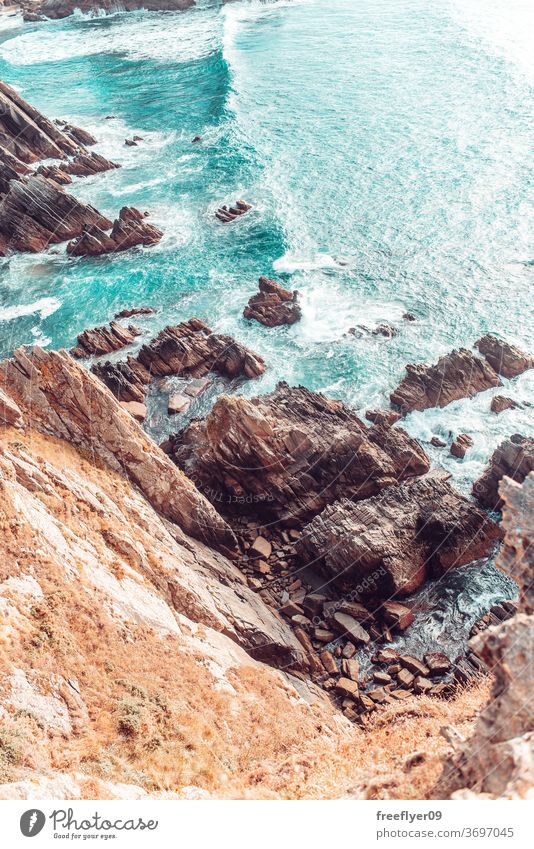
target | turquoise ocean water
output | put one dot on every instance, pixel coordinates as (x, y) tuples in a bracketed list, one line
[(386, 146)]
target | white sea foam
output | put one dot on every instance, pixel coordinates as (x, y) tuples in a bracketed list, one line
[(503, 26), (174, 38), (45, 307)]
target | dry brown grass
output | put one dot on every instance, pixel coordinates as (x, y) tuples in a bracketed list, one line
[(154, 714)]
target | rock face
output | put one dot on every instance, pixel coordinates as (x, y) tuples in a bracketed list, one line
[(68, 401), (292, 452), (104, 340), (459, 374), (130, 230), (36, 212), (10, 413), (514, 458), (191, 348), (389, 544), (273, 305), (498, 759), (128, 380), (516, 556), (506, 359)]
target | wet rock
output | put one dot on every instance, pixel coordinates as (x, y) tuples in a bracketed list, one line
[(437, 442), (499, 403), (104, 340), (127, 380), (27, 134), (383, 417), (197, 386), (506, 359), (408, 316), (273, 305), (77, 134), (128, 313), (397, 615), (88, 164), (459, 374), (36, 212), (129, 230), (192, 349), (460, 445), (387, 330), (389, 544), (55, 173), (178, 404), (57, 9), (70, 402), (514, 458), (516, 555), (293, 451), (227, 215)]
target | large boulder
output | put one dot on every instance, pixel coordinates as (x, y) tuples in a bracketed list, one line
[(69, 402), (459, 374), (36, 212), (293, 451), (130, 230), (191, 348), (514, 457), (273, 305), (389, 544), (506, 359)]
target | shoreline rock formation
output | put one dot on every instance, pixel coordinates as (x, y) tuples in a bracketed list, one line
[(504, 358), (227, 215), (459, 374), (514, 459), (273, 305), (104, 340), (293, 451), (35, 209), (58, 9), (391, 543)]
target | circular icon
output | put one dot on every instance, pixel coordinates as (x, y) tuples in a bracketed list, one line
[(32, 822)]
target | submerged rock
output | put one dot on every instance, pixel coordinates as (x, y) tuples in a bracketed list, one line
[(226, 215), (273, 305), (459, 374), (506, 359), (389, 544), (104, 340), (293, 451), (514, 458)]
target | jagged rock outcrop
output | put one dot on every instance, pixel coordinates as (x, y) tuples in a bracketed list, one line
[(227, 215), (36, 212), (459, 374), (516, 555), (506, 359), (55, 173), (498, 759), (68, 401), (27, 134), (128, 380), (273, 305), (131, 311), (461, 445), (10, 413), (499, 403), (104, 340), (87, 164), (191, 348), (391, 543), (57, 9), (130, 230), (514, 458), (293, 451)]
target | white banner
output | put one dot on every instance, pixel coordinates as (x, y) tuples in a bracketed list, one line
[(243, 825)]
